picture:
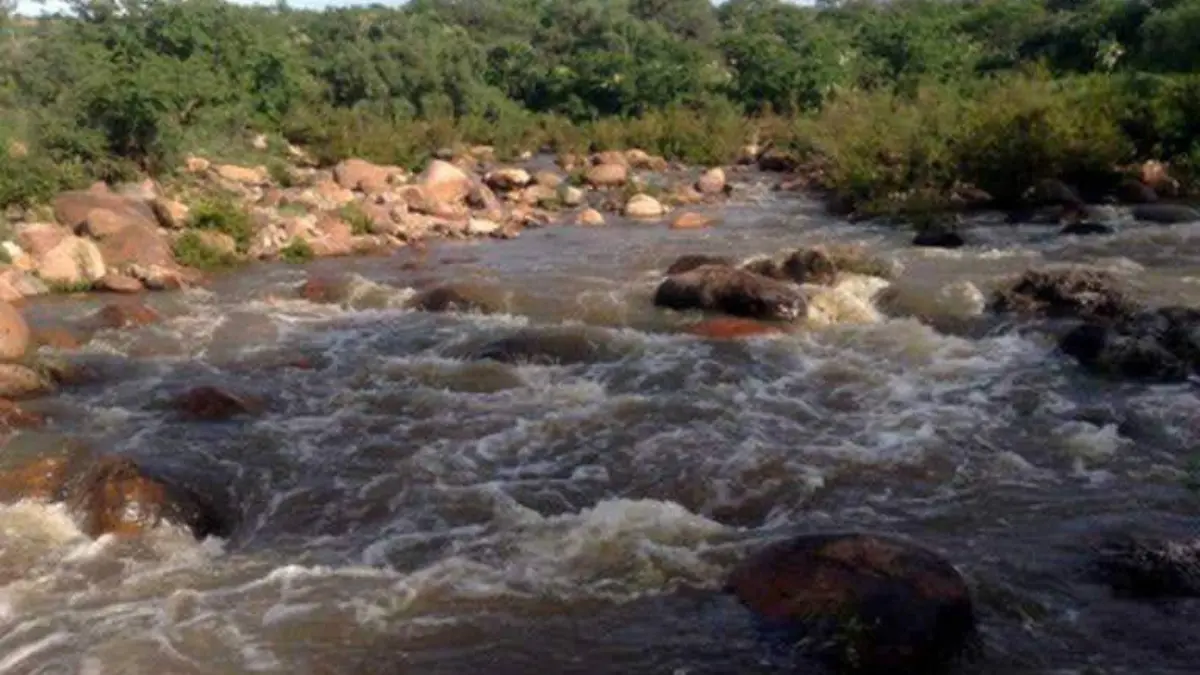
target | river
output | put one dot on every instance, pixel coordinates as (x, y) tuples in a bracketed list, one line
[(406, 507)]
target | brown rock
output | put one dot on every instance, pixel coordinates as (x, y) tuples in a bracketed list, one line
[(864, 602), (613, 157), (20, 382), (164, 277), (731, 291), (71, 209), (124, 314), (810, 266), (690, 262), (41, 480), (448, 299), (197, 165), (548, 179), (508, 179), (12, 416), (444, 182), (73, 261), (727, 328), (607, 175), (359, 174), (14, 333), (691, 221), (38, 239), (589, 218), (250, 176), (1071, 291), (538, 195), (171, 214), (139, 245), (643, 207), (323, 289), (712, 182), (57, 338), (119, 283), (117, 496), (482, 198), (218, 241), (101, 223), (210, 404)]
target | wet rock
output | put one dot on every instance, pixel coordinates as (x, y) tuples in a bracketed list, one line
[(690, 262), (849, 301), (939, 239), (211, 404), (1147, 568), (776, 160), (14, 333), (1086, 229), (163, 277), (325, 289), (116, 495), (1070, 292), (547, 348), (589, 218), (866, 603), (727, 328), (857, 260), (730, 291), (57, 338), (510, 178), (809, 266), (1159, 345), (19, 382), (1166, 214), (691, 221), (119, 283), (607, 175), (643, 206), (1136, 192), (124, 315), (1051, 191), (711, 182), (41, 480), (447, 299)]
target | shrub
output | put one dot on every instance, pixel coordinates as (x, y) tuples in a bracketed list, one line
[(223, 215), (360, 223), (190, 249), (297, 251)]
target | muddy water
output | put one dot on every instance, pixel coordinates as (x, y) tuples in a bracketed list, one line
[(406, 507)]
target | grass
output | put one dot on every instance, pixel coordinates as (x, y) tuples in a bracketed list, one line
[(191, 250), (358, 220), (296, 252), (223, 215)]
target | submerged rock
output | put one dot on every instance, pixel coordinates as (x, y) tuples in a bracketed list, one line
[(1159, 345), (727, 328), (809, 266), (1069, 292), (1086, 228), (447, 299), (546, 348), (864, 602), (211, 404), (939, 239), (731, 291), (124, 315), (1166, 214), (1150, 568), (14, 333), (689, 262), (21, 382)]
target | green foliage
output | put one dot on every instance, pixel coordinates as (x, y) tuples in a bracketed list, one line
[(223, 215), (191, 250), (69, 287), (296, 252), (360, 223)]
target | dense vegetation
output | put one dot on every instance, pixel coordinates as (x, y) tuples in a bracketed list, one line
[(883, 100)]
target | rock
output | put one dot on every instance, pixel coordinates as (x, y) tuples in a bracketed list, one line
[(136, 244), (322, 289), (210, 404), (1166, 214), (248, 176), (607, 175), (118, 496), (163, 277), (1155, 175), (610, 157), (727, 328), (730, 291), (690, 262), (103, 223), (20, 382), (569, 195), (1159, 345), (1136, 192), (361, 175), (444, 182), (686, 194), (123, 315), (1067, 292), (535, 195), (119, 283), (508, 179), (12, 416), (14, 333), (41, 480), (589, 218), (546, 347), (711, 182), (259, 142), (75, 261), (748, 154), (1051, 191), (447, 299), (71, 209), (217, 241), (776, 160), (864, 602), (691, 221), (548, 179), (56, 338), (171, 214), (640, 159), (481, 227), (939, 239), (1086, 228), (196, 165), (809, 266), (17, 150), (643, 206), (17, 284), (325, 195), (849, 301), (961, 299), (1150, 568), (38, 239)]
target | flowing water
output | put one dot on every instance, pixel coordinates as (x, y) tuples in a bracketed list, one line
[(404, 506)]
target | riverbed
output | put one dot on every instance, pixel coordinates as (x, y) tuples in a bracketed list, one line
[(406, 506)]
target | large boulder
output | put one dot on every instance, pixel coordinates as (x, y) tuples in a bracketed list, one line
[(1159, 345), (866, 603), (138, 245), (74, 261), (731, 291), (38, 239), (14, 333), (71, 209), (444, 182), (1065, 292), (361, 175)]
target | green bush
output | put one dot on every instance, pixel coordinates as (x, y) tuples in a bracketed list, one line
[(360, 223), (191, 250), (223, 215), (297, 251)]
